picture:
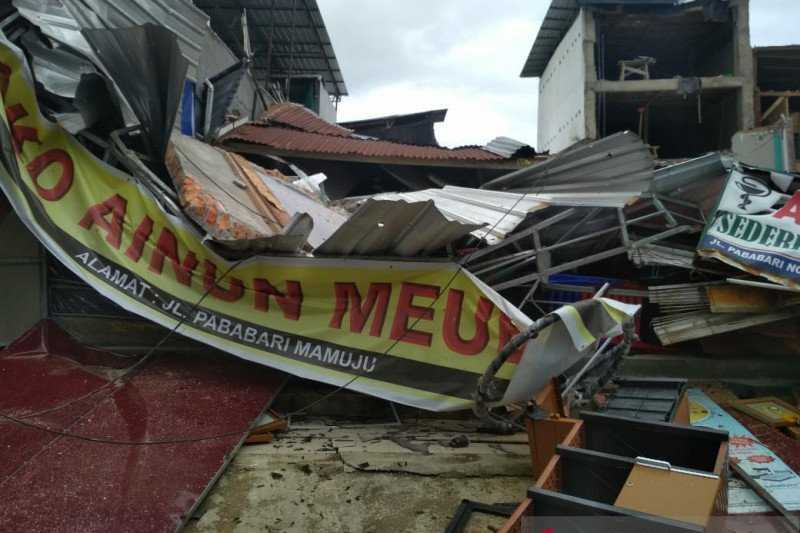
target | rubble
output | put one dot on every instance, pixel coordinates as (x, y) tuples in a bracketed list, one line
[(155, 181)]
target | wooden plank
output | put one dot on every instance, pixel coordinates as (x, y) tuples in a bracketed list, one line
[(781, 103)]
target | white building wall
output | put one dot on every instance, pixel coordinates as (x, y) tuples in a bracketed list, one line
[(326, 107), (562, 102)]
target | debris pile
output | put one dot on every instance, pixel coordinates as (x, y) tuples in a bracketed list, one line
[(161, 176)]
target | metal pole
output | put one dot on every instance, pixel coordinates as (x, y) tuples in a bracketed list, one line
[(291, 50), (577, 377)]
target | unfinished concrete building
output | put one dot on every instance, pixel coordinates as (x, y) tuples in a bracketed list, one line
[(678, 73)]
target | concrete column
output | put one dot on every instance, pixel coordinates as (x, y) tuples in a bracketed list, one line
[(743, 63)]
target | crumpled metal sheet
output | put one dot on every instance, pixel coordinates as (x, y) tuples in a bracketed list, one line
[(395, 228), (54, 20), (57, 69), (617, 163), (147, 66), (495, 213), (508, 147), (499, 213), (63, 20)]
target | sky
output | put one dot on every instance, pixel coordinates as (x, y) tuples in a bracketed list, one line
[(403, 56)]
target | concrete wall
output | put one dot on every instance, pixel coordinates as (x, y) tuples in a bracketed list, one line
[(326, 107), (562, 98)]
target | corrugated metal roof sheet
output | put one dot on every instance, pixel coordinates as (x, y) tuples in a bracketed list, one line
[(302, 118), (421, 222), (698, 180), (499, 212), (620, 163), (63, 21), (508, 147), (394, 228), (287, 140)]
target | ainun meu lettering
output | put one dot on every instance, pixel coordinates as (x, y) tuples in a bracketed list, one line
[(417, 333)]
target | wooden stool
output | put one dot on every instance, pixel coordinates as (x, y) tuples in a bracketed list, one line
[(636, 67)]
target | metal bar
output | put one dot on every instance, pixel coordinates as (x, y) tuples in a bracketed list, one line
[(585, 289), (511, 269), (593, 213), (561, 268), (209, 108), (623, 227), (671, 222), (577, 377), (291, 50), (582, 238), (522, 234), (677, 201), (269, 42), (591, 259), (498, 260), (505, 262), (601, 291), (530, 293), (761, 285), (642, 218)]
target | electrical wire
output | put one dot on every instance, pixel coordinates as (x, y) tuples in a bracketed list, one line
[(147, 356), (458, 271), (130, 370), (102, 440)]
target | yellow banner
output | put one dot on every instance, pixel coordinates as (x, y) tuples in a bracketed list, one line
[(417, 333)]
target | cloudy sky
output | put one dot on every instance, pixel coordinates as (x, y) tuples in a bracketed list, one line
[(401, 56)]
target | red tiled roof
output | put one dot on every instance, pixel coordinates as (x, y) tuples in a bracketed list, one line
[(292, 140), (302, 118)]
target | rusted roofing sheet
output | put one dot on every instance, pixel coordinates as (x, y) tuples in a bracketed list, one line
[(290, 140), (302, 118)]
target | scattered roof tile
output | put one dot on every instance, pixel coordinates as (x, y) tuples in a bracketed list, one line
[(292, 140), (302, 118)]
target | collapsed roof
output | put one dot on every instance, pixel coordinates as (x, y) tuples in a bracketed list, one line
[(289, 129)]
